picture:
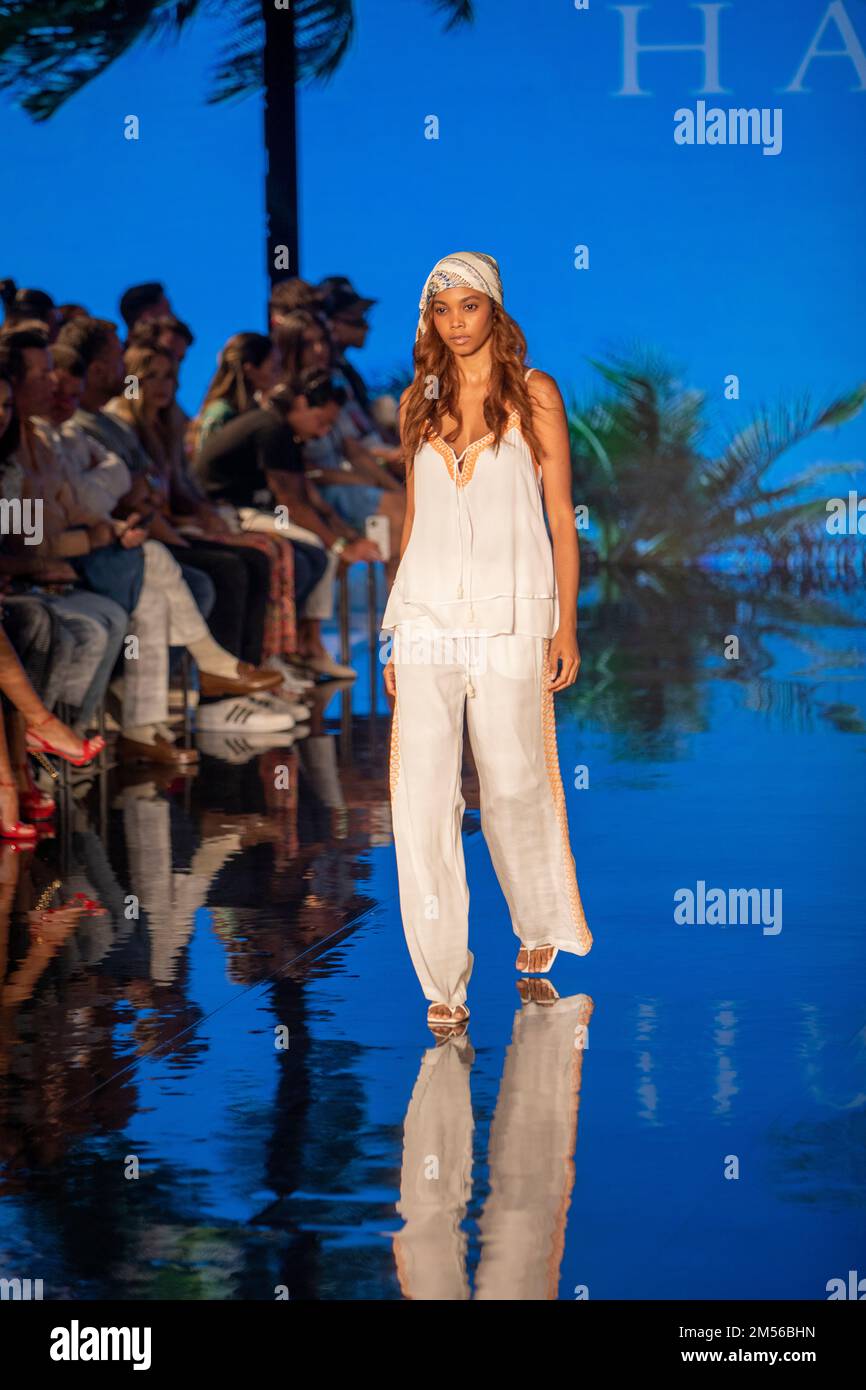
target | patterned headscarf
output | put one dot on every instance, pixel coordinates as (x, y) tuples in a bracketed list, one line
[(471, 269)]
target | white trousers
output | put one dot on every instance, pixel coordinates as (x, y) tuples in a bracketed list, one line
[(501, 682), (166, 615)]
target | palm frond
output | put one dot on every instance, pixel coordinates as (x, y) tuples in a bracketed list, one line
[(779, 522), (48, 52), (456, 11), (579, 426), (750, 453)]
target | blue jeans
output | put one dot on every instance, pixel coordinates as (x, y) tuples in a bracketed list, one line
[(310, 564), (98, 626)]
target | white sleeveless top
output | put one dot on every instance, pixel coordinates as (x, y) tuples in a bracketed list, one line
[(479, 556)]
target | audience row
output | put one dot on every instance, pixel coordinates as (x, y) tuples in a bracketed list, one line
[(131, 529)]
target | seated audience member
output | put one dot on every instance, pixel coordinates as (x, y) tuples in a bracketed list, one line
[(97, 342), (57, 657), (142, 302), (162, 610), (172, 335), (27, 306), (60, 653), (345, 313), (43, 644), (248, 366), (307, 343), (100, 478), (286, 297), (350, 476), (242, 586), (97, 622), (41, 732), (67, 312), (187, 510), (168, 332), (254, 463)]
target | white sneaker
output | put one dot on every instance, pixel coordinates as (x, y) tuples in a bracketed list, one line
[(274, 699), (244, 714)]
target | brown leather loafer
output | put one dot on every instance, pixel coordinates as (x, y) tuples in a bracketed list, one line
[(160, 751), (248, 681)]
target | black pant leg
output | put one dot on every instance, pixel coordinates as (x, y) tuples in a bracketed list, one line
[(259, 587), (229, 579), (256, 568)]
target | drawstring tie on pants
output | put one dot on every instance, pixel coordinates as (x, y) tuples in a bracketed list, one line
[(470, 688)]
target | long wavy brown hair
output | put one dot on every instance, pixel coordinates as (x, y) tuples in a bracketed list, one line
[(229, 382), (434, 390), (289, 337), (162, 439)]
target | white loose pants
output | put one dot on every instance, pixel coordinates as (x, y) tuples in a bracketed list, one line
[(501, 682), (166, 615)]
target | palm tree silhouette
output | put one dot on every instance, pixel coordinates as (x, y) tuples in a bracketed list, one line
[(50, 49), (656, 499)]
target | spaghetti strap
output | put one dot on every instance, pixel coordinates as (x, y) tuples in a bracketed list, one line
[(528, 373)]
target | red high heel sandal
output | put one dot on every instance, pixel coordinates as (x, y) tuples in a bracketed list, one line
[(17, 832), (37, 744), (35, 804)]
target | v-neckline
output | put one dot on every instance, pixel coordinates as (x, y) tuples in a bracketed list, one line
[(485, 438)]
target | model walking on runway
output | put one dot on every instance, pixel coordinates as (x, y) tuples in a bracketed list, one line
[(483, 616)]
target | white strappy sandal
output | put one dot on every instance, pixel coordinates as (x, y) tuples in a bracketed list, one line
[(458, 1015), (529, 949)]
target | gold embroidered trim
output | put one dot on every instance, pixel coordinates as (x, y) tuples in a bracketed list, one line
[(394, 756), (471, 454), (551, 757)]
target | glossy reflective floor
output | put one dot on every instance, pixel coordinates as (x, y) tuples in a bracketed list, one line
[(234, 1091)]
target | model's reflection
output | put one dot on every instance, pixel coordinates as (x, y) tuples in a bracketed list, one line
[(532, 1139)]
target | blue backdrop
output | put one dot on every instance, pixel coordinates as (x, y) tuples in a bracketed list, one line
[(725, 259)]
